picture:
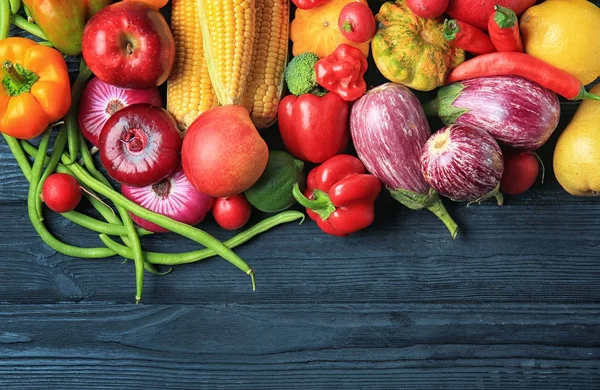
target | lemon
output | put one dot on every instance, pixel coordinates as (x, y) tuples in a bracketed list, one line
[(566, 34)]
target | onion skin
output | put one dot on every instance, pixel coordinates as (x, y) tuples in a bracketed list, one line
[(517, 112), (389, 130), (99, 101), (140, 145), (463, 163), (181, 201)]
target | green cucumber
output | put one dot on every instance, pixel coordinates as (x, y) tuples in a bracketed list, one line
[(273, 190)]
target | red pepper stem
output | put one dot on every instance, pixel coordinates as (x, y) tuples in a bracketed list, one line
[(504, 17), (583, 94), (15, 78), (320, 204), (450, 29)]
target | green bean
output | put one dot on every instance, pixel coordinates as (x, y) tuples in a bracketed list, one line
[(27, 12), (138, 255), (15, 5), (4, 19), (190, 257), (57, 150), (180, 228), (71, 119), (17, 151), (39, 227), (24, 24)]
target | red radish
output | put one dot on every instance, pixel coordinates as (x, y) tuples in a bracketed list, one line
[(477, 12), (223, 154), (232, 212), (61, 192), (520, 172), (356, 22), (174, 197), (99, 101), (463, 163), (427, 8), (140, 145)]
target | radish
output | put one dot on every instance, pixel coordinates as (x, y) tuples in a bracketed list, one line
[(520, 172), (463, 163), (61, 192), (427, 8), (356, 22), (233, 212)]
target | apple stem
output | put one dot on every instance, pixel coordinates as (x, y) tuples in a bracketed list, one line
[(347, 26), (129, 48)]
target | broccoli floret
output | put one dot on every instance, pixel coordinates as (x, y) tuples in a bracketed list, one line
[(300, 74)]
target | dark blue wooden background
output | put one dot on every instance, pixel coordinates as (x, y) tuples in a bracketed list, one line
[(513, 302)]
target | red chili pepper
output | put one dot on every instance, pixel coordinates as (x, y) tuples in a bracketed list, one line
[(343, 72), (503, 27), (340, 195), (467, 37), (524, 65), (308, 4), (314, 128)]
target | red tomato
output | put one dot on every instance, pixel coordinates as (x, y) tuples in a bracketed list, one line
[(520, 172), (356, 22), (233, 212)]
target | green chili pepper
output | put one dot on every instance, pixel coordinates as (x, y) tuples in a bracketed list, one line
[(190, 257)]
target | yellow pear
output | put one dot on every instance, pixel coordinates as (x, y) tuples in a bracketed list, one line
[(577, 153)]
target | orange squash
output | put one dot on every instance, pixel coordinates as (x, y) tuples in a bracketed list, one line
[(411, 50), (316, 30)]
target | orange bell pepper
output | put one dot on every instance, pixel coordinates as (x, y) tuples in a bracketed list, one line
[(35, 90)]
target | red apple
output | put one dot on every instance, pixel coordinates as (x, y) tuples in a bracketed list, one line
[(222, 153), (130, 45)]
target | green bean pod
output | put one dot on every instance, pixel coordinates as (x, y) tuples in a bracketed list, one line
[(4, 19), (71, 119), (191, 257), (15, 5), (24, 24)]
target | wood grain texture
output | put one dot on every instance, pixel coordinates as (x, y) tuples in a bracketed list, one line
[(300, 346)]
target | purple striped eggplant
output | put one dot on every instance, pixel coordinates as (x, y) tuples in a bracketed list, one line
[(389, 130), (463, 163), (516, 111)]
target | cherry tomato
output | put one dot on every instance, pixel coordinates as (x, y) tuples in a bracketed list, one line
[(520, 172), (233, 212), (61, 192), (356, 22)]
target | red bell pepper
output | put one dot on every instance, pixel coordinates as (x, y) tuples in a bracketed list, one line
[(343, 72), (308, 4), (340, 195), (314, 128)]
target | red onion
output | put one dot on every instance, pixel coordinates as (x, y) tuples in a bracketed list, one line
[(463, 163), (389, 130), (140, 145), (174, 197), (516, 111), (99, 101)]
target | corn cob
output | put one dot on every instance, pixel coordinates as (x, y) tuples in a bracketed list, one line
[(228, 29), (269, 56), (189, 90)]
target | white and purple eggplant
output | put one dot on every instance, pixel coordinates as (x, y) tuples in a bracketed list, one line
[(463, 163), (389, 130), (517, 112)]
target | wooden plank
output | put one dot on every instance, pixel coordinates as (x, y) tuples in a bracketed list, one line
[(301, 346), (524, 253)]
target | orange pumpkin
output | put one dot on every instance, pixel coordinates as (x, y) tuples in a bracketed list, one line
[(316, 30)]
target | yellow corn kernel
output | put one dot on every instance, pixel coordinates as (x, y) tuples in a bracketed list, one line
[(189, 90), (269, 57), (228, 30)]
